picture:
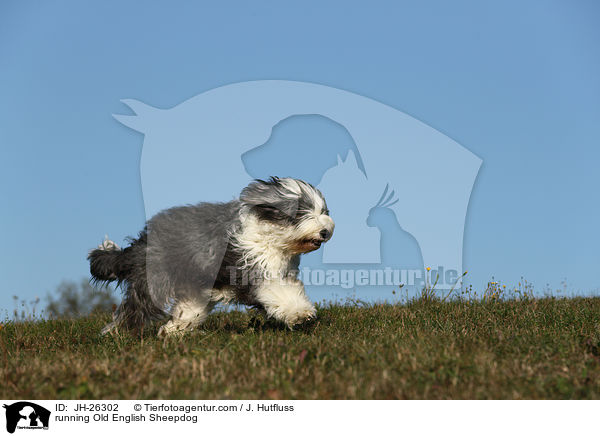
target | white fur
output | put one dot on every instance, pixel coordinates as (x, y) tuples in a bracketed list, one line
[(293, 186), (266, 246), (311, 225), (286, 301), (188, 315), (108, 245), (316, 219), (263, 244), (224, 295)]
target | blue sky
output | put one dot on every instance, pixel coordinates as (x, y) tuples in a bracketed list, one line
[(516, 83)]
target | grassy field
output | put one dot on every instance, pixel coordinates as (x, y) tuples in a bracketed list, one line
[(533, 348)]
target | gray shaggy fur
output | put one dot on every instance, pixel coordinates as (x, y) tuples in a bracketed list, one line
[(181, 248), (186, 249)]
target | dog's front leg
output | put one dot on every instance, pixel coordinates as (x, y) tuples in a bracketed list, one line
[(285, 300)]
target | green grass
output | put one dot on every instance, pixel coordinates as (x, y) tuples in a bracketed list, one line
[(533, 348)]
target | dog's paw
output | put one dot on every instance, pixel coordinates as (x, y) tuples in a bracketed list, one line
[(301, 317), (174, 329), (168, 331), (109, 328)]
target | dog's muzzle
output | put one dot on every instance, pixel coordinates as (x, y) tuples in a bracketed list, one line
[(323, 236)]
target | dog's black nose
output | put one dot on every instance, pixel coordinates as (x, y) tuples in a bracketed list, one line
[(324, 233)]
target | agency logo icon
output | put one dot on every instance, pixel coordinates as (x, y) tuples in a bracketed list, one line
[(397, 188), (26, 416)]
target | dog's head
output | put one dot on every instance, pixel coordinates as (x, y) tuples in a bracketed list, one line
[(296, 210)]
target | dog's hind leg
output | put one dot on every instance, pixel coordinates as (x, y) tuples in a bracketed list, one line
[(187, 315), (109, 328)]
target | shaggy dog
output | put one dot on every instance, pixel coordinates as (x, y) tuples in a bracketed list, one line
[(187, 259)]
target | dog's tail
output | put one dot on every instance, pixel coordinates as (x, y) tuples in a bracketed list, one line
[(110, 263), (107, 263)]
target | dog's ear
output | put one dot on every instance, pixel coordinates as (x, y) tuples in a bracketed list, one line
[(273, 199)]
